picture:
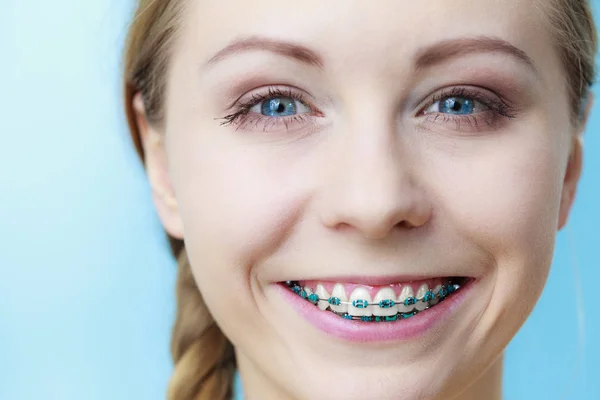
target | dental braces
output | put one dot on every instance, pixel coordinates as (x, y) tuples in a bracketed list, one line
[(429, 296)]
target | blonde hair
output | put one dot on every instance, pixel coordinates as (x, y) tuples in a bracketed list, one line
[(203, 357)]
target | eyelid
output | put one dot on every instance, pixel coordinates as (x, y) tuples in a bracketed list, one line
[(258, 105), (492, 100), (294, 92), (242, 114), (497, 110), (438, 101)]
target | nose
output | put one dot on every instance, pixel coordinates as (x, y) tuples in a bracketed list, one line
[(373, 188)]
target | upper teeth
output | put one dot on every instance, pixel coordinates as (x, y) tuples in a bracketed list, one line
[(436, 299), (421, 305), (405, 305), (385, 298), (384, 304), (359, 303), (323, 295), (339, 293)]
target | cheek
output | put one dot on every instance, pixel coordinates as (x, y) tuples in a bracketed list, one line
[(505, 198), (506, 201), (235, 205)]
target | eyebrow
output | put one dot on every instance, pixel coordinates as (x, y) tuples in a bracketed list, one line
[(448, 49), (427, 57), (295, 51)]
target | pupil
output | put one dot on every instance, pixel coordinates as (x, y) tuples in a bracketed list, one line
[(279, 106), (457, 105)]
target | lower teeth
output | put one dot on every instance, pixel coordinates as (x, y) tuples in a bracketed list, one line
[(440, 295)]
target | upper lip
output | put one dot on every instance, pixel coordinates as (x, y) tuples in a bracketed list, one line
[(376, 280)]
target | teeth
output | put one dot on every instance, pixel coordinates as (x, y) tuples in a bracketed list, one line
[(435, 292), (385, 294), (420, 306), (310, 294), (384, 304), (340, 293), (323, 294), (406, 293), (360, 295)]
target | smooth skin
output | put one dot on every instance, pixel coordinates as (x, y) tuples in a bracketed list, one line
[(372, 181)]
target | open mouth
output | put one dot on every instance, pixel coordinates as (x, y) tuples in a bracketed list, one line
[(386, 303)]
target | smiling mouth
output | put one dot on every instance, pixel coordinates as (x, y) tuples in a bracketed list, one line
[(377, 304)]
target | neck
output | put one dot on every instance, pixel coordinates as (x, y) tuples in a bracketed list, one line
[(258, 386), (488, 386), (255, 385)]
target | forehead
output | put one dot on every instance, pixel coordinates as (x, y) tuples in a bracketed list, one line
[(351, 30)]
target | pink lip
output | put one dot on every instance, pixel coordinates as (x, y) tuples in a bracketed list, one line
[(363, 332), (376, 280)]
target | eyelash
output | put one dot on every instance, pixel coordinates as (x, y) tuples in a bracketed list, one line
[(496, 110), (242, 118)]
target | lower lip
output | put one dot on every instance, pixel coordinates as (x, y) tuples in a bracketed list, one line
[(363, 332)]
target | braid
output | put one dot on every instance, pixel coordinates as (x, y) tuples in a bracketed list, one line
[(203, 357)]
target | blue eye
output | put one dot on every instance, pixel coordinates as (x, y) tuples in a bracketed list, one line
[(279, 107), (456, 105)]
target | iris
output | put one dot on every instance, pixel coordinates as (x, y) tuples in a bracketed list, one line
[(279, 107), (456, 105)]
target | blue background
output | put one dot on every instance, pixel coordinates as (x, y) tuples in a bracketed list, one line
[(86, 287)]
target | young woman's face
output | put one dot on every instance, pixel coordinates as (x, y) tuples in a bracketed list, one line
[(362, 150)]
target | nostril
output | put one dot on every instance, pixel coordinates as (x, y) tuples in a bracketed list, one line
[(406, 224)]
